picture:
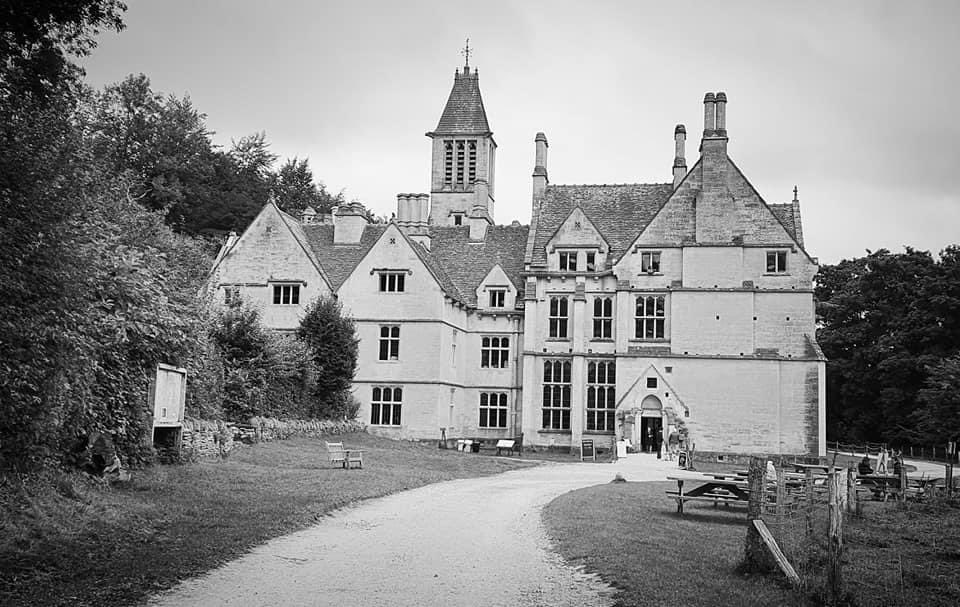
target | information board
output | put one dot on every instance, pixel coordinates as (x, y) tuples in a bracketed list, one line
[(586, 450)]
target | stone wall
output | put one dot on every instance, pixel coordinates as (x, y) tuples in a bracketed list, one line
[(213, 438)]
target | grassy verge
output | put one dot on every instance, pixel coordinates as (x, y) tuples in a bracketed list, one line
[(70, 541), (629, 533)]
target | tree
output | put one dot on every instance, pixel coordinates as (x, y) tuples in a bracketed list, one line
[(885, 320), (38, 38), (939, 415), (294, 189), (333, 340)]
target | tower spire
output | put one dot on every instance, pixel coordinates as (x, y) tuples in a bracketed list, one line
[(465, 51)]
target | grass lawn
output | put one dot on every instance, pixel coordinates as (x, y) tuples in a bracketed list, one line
[(630, 534), (70, 541)]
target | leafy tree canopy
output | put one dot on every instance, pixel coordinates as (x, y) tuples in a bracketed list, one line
[(885, 321)]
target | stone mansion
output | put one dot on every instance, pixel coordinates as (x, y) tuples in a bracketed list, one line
[(620, 311)]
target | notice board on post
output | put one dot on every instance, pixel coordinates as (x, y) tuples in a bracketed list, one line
[(587, 450)]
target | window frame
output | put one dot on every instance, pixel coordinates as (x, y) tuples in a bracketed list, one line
[(601, 396), (559, 321), (398, 283), (388, 349), (286, 291), (491, 352), (603, 322), (555, 406), (489, 408), (567, 260), (497, 298), (779, 261), (590, 264), (650, 262), (382, 408), (643, 319)]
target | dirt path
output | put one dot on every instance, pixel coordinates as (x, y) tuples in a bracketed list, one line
[(465, 542)]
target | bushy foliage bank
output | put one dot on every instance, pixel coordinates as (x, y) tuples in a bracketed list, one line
[(100, 193)]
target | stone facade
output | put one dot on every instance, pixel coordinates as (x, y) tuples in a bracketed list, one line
[(621, 312)]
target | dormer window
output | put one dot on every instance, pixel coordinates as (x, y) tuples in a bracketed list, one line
[(591, 261), (650, 262), (498, 298), (568, 261), (776, 262), (392, 282)]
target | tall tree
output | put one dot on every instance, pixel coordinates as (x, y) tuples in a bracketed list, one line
[(38, 39), (295, 189), (885, 320)]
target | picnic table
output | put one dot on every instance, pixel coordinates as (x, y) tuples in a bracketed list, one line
[(727, 489)]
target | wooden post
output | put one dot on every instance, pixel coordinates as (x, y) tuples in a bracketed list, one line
[(781, 494), (835, 550), (903, 481), (808, 492), (755, 552), (853, 503)]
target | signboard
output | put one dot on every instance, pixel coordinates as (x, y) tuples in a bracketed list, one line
[(169, 395), (682, 460), (587, 450)]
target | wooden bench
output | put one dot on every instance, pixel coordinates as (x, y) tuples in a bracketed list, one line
[(344, 457)]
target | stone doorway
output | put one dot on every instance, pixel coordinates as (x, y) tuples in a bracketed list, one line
[(651, 424)]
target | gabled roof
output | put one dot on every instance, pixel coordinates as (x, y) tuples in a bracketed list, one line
[(339, 260), (784, 212), (619, 212), (464, 113), (468, 262)]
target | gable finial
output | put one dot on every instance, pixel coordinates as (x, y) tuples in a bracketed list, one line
[(795, 194), (465, 51)]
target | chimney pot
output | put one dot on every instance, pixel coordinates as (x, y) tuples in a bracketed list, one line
[(721, 128), (709, 115), (680, 129)]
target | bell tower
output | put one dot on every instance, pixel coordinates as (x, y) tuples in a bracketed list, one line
[(462, 172)]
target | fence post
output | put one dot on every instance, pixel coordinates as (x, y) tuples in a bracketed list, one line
[(808, 491), (853, 501), (903, 482), (755, 553), (835, 551)]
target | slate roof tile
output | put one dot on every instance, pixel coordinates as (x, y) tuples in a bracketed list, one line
[(619, 212), (784, 212), (464, 113), (467, 263), (339, 260)]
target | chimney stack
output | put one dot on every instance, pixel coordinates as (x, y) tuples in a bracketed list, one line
[(679, 159), (721, 129), (709, 115), (540, 167), (715, 200)]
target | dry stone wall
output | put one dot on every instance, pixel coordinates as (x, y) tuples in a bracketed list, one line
[(214, 438)]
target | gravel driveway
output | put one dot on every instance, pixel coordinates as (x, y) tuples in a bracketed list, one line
[(465, 542)]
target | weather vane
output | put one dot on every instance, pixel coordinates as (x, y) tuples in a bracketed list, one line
[(466, 53)]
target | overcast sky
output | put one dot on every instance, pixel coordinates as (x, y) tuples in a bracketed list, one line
[(850, 101)]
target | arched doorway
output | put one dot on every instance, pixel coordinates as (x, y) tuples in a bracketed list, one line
[(651, 424)]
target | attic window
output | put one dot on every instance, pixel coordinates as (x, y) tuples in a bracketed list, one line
[(286, 295), (458, 219), (650, 262), (568, 261), (776, 262), (591, 262), (498, 298), (652, 382), (392, 282)]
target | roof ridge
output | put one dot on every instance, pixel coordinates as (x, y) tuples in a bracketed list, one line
[(603, 185)]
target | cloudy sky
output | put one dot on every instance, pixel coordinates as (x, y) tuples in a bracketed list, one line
[(850, 101)]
